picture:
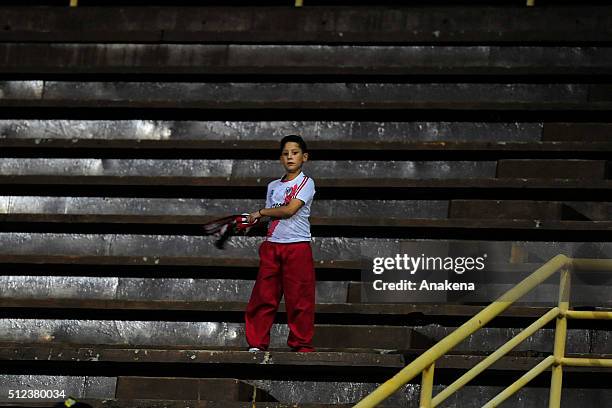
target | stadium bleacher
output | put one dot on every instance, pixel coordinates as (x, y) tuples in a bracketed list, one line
[(125, 127)]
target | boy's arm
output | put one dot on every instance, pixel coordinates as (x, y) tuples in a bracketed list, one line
[(286, 211)]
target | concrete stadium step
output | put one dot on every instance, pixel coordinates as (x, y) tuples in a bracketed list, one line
[(229, 294), (350, 147), (574, 132), (352, 222), (468, 24), (265, 170), (203, 210), (322, 135), (333, 132), (147, 289), (106, 392), (408, 396), (157, 390), (524, 209), (382, 186), (363, 213), (218, 171), (355, 359), (220, 389), (348, 96), (347, 394), (200, 336), (525, 168), (408, 310), (302, 59), (223, 336), (180, 294), (149, 250), (333, 252)]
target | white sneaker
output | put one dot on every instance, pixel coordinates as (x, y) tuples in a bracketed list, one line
[(254, 349)]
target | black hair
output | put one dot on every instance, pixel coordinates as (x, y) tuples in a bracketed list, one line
[(296, 139)]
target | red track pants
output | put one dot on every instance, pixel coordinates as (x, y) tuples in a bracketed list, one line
[(284, 268)]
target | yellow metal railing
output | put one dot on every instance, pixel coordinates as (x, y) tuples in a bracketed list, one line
[(425, 363)]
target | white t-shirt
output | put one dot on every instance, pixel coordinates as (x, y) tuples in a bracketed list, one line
[(297, 227)]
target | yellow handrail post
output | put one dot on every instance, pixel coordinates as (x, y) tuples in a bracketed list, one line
[(530, 3), (299, 3), (74, 3), (427, 386), (556, 380)]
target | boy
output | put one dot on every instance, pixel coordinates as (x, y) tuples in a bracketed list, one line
[(285, 257)]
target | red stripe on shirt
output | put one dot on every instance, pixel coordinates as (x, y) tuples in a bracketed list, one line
[(301, 186)]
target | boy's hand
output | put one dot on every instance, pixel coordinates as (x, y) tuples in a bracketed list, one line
[(254, 216)]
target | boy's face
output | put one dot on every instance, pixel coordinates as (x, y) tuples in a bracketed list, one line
[(292, 157)]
